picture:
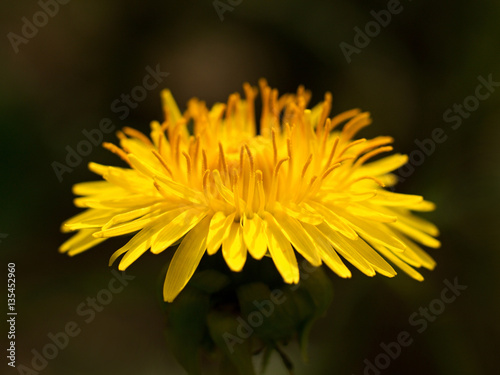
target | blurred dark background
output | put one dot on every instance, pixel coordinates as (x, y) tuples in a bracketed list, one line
[(63, 80)]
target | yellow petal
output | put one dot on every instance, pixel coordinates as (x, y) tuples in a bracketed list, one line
[(405, 267), (425, 258), (329, 256), (302, 213), (172, 112), (350, 196), (216, 112), (416, 234), (140, 150), (182, 223), (87, 215), (350, 254), (387, 198), (137, 246), (254, 235), (367, 252), (158, 137), (423, 206), (382, 166), (405, 216), (127, 179), (129, 227), (234, 249), (93, 187), (130, 201), (219, 228), (186, 260), (388, 180), (407, 255), (371, 214), (98, 168), (147, 169), (171, 189), (378, 233), (225, 193), (281, 251), (299, 238), (418, 223), (129, 215), (80, 242), (333, 220), (92, 223)]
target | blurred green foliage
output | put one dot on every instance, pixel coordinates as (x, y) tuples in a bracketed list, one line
[(429, 56)]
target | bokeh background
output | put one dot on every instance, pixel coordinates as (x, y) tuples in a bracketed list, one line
[(64, 79)]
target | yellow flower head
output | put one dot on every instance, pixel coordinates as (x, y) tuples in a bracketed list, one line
[(301, 184)]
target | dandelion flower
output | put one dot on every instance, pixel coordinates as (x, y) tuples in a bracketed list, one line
[(297, 181)]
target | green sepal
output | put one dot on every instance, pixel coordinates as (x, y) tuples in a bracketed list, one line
[(223, 328), (186, 327), (278, 319), (209, 281), (319, 287), (266, 357)]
